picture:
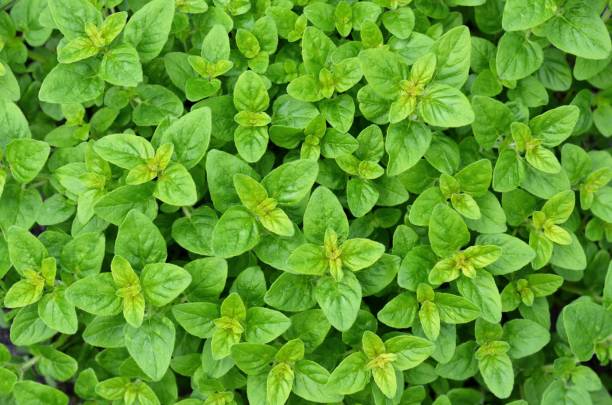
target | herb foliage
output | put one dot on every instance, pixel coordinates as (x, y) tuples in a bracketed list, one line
[(274, 201)]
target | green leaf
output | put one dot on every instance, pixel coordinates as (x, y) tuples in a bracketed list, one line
[(557, 392), (216, 44), (316, 49), (521, 15), (422, 208), (140, 241), (455, 309), (56, 364), (250, 93), (339, 300), (220, 169), (196, 317), (264, 325), (445, 106), (322, 212), (559, 207), (496, 370), (85, 85), (253, 358), (570, 257), (279, 384), (585, 324), (163, 282), (544, 185), (385, 380), (462, 365), (175, 186), (291, 182), (84, 254), (149, 27), (157, 102), (304, 88), (517, 56), (399, 312), (452, 52), (429, 318), (482, 291), (358, 253), (447, 231), (28, 329), (13, 123), (105, 331), (310, 382), (235, 233), (350, 376), (308, 259), (362, 196), (410, 350), (383, 71), (193, 232), (406, 143), (475, 178), (515, 254), (33, 393), (291, 292), (492, 121), (492, 218), (508, 172), (525, 337), (24, 292), (151, 345), (26, 158), (58, 313), (340, 111), (95, 294), (579, 30), (190, 136), (555, 126), (8, 82), (72, 16), (9, 379), (124, 150), (121, 66)]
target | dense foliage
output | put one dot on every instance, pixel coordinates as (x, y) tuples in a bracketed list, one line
[(275, 201)]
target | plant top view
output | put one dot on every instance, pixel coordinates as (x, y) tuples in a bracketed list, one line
[(268, 202)]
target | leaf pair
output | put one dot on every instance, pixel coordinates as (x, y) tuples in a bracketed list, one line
[(383, 361), (546, 230), (38, 272), (213, 61), (258, 43), (29, 257), (251, 100), (426, 92), (534, 140), (326, 72), (274, 373), (174, 184), (123, 389), (238, 228), (125, 290), (432, 309), (230, 323), (517, 339)]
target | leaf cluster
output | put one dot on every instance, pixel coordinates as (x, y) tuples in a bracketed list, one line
[(268, 202)]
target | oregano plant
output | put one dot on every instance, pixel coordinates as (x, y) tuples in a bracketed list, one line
[(231, 202)]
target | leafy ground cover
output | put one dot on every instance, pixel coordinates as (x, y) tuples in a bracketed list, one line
[(277, 202)]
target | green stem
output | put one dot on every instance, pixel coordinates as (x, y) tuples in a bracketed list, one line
[(27, 365)]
